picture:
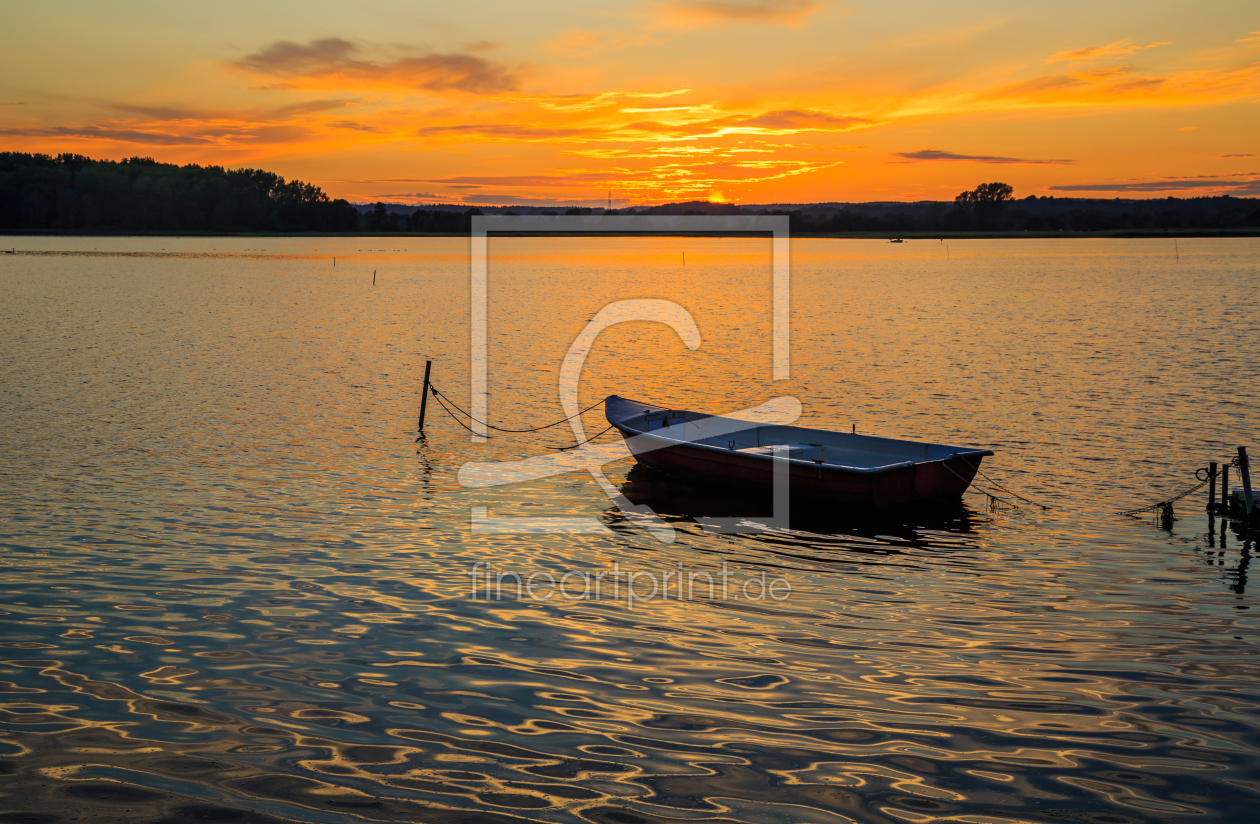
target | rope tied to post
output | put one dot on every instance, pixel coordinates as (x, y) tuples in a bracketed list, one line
[(994, 500), (1009, 492), (444, 400), (1168, 502), (1164, 503), (451, 408)]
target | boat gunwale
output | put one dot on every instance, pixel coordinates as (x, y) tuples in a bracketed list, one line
[(644, 434)]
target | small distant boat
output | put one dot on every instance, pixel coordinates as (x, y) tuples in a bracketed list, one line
[(896, 240), (830, 466)]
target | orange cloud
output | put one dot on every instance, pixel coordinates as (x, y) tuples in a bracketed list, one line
[(195, 133), (351, 124), (331, 63), (207, 130), (658, 152), (937, 154), (113, 133), (580, 43), (668, 181), (1120, 47), (510, 131), (648, 182), (1176, 184), (1122, 86), (703, 107), (685, 15), (688, 14), (788, 121), (591, 102)]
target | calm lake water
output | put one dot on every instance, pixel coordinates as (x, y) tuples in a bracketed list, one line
[(236, 589)]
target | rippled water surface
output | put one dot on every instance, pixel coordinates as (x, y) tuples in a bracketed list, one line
[(236, 589)]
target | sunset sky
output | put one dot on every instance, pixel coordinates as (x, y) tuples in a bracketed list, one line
[(749, 101)]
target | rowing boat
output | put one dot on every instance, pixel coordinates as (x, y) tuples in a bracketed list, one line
[(833, 466)]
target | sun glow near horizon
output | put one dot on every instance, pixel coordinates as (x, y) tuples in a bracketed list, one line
[(726, 100)]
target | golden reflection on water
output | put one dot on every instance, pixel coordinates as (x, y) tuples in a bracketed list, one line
[(236, 589)]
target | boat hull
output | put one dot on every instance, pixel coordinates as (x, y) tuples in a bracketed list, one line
[(912, 482)]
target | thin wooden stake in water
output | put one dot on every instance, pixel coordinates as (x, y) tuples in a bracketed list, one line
[(373, 277), (334, 261), (1176, 250), (424, 396), (684, 258)]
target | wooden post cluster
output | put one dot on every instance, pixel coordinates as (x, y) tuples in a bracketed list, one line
[(1225, 507)]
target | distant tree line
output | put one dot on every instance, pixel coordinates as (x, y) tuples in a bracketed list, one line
[(988, 207), (991, 207), (382, 218), (72, 192), (394, 217), (69, 192)]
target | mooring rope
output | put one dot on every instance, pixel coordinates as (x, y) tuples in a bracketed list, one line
[(1009, 492), (1168, 502), (971, 485), (444, 400), (1203, 474), (442, 403), (447, 404), (580, 443)]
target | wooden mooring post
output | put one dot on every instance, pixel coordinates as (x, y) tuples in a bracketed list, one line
[(424, 397), (1225, 490), (1245, 472), (1211, 486)]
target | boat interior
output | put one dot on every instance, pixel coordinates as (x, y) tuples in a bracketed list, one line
[(839, 449)]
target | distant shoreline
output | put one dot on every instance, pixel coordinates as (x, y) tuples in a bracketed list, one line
[(1176, 233)]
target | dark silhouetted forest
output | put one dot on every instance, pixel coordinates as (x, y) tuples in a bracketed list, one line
[(71, 192), (394, 218), (990, 207)]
